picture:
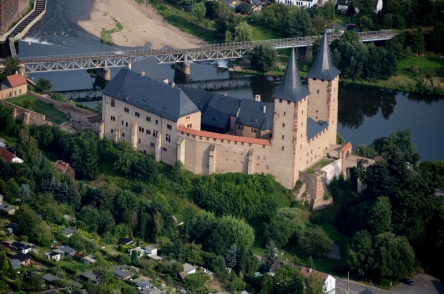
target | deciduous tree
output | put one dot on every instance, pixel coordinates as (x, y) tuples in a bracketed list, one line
[(264, 57)]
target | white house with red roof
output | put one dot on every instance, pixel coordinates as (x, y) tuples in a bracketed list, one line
[(12, 86), (9, 156)]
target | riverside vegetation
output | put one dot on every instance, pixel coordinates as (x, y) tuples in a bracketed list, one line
[(227, 218)]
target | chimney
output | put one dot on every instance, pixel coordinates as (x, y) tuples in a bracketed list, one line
[(16, 72), (257, 98), (309, 270), (265, 108), (173, 84), (142, 74)]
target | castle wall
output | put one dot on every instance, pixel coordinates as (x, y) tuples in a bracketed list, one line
[(7, 92), (149, 133), (27, 116)]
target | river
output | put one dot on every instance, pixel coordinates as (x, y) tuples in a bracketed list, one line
[(365, 113)]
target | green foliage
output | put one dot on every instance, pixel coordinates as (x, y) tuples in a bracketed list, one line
[(43, 86), (28, 103), (288, 280), (12, 65), (315, 242), (198, 11), (26, 146), (380, 216), (195, 281), (314, 284), (255, 198), (418, 42), (264, 57), (232, 256), (126, 157), (242, 32), (6, 120), (361, 254), (270, 254), (286, 225), (85, 157), (243, 8)]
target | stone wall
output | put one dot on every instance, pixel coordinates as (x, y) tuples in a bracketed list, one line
[(27, 116), (316, 187), (13, 92)]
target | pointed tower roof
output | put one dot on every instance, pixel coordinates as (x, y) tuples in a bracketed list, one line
[(323, 67), (291, 88)]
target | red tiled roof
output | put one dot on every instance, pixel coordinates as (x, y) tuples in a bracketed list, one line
[(346, 147), (182, 128), (16, 80), (6, 155), (307, 273), (61, 165)]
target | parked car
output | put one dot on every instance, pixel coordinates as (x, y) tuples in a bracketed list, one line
[(407, 281)]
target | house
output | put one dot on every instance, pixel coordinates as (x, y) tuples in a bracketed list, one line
[(154, 257), (142, 283), (69, 218), (19, 247), (68, 232), (329, 281), (54, 255), (88, 276), (256, 5), (183, 291), (67, 251), (125, 241), (24, 259), (49, 278), (378, 5), (121, 275), (343, 5), (140, 252), (8, 156), (89, 259), (15, 263), (150, 291), (13, 85), (301, 3), (6, 209), (187, 270), (65, 168), (13, 228), (151, 250)]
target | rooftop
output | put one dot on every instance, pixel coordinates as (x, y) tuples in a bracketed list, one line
[(314, 128), (150, 95), (188, 267), (323, 67), (120, 273), (21, 256), (150, 67), (68, 231), (16, 80), (50, 278)]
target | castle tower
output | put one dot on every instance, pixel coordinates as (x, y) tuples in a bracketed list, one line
[(323, 82), (290, 101)]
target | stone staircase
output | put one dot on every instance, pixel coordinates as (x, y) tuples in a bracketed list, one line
[(40, 6)]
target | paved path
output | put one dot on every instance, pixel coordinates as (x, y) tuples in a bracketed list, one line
[(422, 284)]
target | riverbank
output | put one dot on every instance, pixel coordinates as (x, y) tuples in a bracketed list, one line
[(130, 24)]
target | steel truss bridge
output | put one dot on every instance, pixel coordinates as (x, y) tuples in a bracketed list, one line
[(173, 55)]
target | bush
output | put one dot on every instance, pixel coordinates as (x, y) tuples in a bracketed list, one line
[(317, 219)]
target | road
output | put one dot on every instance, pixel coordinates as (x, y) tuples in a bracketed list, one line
[(356, 288), (423, 284)]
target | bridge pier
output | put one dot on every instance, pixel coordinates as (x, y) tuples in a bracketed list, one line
[(183, 67), (308, 53), (104, 73)]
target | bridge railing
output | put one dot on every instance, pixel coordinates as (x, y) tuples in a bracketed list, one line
[(171, 50)]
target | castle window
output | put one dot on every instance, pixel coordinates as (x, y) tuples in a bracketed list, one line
[(302, 124), (123, 134), (164, 149), (168, 138), (151, 144), (112, 131), (126, 109), (242, 143), (322, 80), (280, 100), (302, 112), (314, 79), (316, 111), (169, 127), (282, 148), (137, 114), (318, 91), (122, 122), (141, 129), (200, 137), (283, 125), (267, 167), (284, 112), (148, 132), (155, 133), (253, 130), (126, 123), (148, 118), (139, 141), (214, 139), (222, 140), (113, 118), (316, 117), (282, 137), (301, 146), (113, 103), (157, 122), (288, 102), (144, 151), (189, 126)]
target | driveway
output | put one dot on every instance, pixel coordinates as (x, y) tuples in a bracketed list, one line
[(422, 284)]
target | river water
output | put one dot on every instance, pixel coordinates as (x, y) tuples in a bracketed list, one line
[(365, 113)]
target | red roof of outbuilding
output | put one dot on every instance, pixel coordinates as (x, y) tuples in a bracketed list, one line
[(346, 147), (6, 155), (16, 80)]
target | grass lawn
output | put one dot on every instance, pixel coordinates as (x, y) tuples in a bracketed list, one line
[(259, 32), (51, 113), (341, 18), (51, 156), (320, 164), (74, 265), (423, 63)]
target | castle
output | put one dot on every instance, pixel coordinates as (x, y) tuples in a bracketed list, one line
[(214, 133)]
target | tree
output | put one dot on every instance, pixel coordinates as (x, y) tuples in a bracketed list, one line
[(394, 256), (242, 32), (232, 255), (315, 242), (6, 120), (28, 103), (438, 39), (195, 281), (145, 169), (4, 264), (314, 284), (264, 57), (26, 145), (418, 42), (248, 263), (380, 216), (361, 253), (43, 86), (243, 8), (126, 157), (198, 11), (12, 65), (85, 155), (310, 262), (270, 254), (288, 279)]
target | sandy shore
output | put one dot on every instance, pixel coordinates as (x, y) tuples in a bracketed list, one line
[(140, 23)]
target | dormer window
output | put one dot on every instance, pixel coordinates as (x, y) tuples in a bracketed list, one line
[(113, 103)]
